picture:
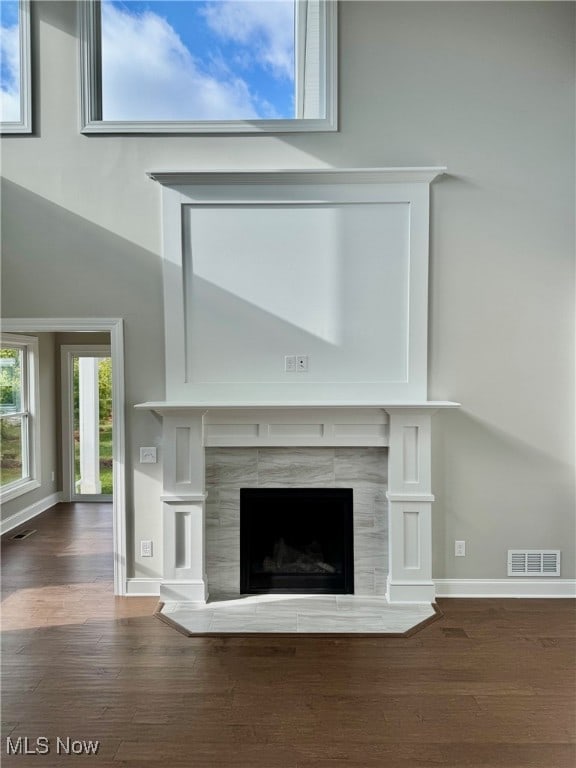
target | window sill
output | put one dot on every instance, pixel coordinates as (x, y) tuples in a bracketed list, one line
[(19, 488), (208, 127)]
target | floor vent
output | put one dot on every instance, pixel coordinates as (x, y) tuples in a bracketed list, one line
[(533, 562), (24, 534)]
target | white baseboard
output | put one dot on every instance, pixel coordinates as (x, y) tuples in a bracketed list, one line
[(548, 587), (554, 588), (142, 587), (30, 512)]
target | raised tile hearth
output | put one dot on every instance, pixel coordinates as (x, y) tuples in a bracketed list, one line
[(296, 614)]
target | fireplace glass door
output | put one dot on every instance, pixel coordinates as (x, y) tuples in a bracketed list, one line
[(296, 540)]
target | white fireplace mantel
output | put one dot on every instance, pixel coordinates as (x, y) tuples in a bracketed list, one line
[(259, 266), (163, 407), (404, 428)]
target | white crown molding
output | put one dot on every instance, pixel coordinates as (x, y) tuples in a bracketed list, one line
[(533, 588), (299, 176)]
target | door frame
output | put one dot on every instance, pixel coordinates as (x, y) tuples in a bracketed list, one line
[(114, 326), (67, 353)]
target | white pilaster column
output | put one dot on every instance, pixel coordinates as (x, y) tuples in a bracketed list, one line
[(410, 507), (89, 425), (184, 507)]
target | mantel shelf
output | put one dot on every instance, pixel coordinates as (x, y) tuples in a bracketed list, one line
[(167, 407), (299, 176)]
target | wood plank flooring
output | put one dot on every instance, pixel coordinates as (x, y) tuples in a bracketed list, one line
[(490, 685)]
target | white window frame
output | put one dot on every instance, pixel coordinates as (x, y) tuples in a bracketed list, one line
[(91, 83), (29, 408), (24, 125)]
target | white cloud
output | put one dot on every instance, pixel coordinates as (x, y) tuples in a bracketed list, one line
[(149, 74), (10, 85), (266, 26)]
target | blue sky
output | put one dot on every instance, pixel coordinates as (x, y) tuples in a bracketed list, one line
[(198, 59), (9, 61)]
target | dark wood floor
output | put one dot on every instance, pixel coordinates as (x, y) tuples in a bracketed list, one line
[(489, 685)]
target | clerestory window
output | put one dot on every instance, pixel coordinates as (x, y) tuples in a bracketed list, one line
[(208, 66), (15, 72)]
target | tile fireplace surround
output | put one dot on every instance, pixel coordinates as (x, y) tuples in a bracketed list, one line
[(260, 267)]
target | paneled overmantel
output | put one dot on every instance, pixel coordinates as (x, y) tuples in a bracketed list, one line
[(324, 266), (328, 263), (405, 428)]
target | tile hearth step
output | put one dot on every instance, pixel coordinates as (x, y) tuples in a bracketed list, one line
[(297, 614)]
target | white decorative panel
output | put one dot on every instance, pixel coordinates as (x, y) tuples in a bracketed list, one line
[(410, 454), (411, 539), (294, 426), (331, 281), (366, 431), (296, 430), (183, 543), (182, 469), (217, 433), (183, 453), (327, 264)]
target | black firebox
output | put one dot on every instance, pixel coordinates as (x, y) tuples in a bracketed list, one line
[(296, 540)]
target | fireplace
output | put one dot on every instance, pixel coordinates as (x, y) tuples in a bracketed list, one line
[(330, 265), (296, 540)]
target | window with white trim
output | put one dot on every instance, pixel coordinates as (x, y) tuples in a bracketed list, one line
[(19, 447), (208, 66), (15, 70)]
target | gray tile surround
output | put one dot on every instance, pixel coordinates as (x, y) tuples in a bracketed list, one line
[(362, 469)]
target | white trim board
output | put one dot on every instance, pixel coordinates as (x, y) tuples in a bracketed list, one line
[(19, 518), (549, 588), (463, 588), (143, 587), (115, 327)]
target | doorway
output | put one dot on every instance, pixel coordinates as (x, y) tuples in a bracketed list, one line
[(87, 423), (115, 328)]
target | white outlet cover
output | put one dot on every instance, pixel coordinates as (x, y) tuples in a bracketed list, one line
[(145, 548), (148, 455)]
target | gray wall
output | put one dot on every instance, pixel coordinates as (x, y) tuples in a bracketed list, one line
[(484, 88)]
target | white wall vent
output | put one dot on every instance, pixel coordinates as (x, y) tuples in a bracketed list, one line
[(533, 562)]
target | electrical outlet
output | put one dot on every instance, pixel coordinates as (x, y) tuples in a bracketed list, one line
[(289, 363), (53, 475), (148, 455), (302, 363), (145, 548), (460, 549)]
